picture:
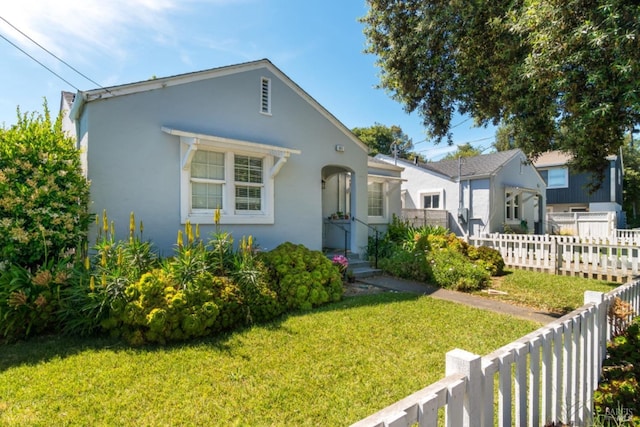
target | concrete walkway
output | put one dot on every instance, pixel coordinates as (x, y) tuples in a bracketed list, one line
[(401, 285)]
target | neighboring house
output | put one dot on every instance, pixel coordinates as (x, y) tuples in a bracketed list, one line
[(481, 194), (243, 138), (567, 191)]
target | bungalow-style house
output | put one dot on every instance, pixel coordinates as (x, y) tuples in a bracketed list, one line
[(242, 138), (483, 194), (567, 191)]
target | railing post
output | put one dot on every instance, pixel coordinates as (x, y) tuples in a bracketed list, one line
[(468, 364)]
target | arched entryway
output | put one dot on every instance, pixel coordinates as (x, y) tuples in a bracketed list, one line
[(338, 207)]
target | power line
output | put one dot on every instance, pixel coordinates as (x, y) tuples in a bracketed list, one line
[(49, 52), (44, 66)]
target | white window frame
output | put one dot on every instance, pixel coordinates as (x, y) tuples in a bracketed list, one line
[(228, 212), (190, 142), (434, 192), (564, 178), (512, 204), (265, 96), (385, 201)]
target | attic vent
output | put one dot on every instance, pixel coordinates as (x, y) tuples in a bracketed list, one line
[(265, 95)]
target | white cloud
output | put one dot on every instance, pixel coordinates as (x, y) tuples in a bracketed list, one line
[(71, 27)]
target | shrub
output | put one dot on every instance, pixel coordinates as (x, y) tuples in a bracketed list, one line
[(30, 302), (488, 258), (302, 278), (101, 282), (407, 265), (447, 241), (159, 309), (43, 193), (619, 386), (452, 270)]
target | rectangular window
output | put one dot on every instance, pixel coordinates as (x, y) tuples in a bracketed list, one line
[(207, 180), (265, 95), (558, 178), (431, 201), (512, 212), (248, 183), (375, 199)]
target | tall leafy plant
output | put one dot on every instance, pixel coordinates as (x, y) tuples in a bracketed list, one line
[(43, 193)]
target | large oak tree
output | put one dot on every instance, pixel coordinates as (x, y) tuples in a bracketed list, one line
[(563, 74)]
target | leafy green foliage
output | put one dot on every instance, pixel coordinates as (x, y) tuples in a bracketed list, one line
[(631, 182), (436, 255), (407, 265), (28, 302), (488, 258), (43, 194), (562, 74), (453, 270), (101, 283), (160, 309), (464, 150), (381, 139), (302, 278), (619, 386)]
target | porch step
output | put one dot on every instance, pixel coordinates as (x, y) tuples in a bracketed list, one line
[(358, 267)]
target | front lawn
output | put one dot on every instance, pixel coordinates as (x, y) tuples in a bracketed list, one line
[(547, 292), (331, 366)]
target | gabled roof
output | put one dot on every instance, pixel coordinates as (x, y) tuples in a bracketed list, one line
[(552, 158), (84, 97), (558, 158), (468, 167)]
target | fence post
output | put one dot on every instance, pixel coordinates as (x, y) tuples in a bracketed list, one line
[(462, 362)]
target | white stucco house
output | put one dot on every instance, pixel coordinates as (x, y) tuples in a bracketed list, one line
[(243, 138), (482, 194)]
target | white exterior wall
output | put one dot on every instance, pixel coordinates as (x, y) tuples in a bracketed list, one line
[(134, 166), (515, 173)]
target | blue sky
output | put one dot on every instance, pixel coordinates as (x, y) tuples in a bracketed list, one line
[(317, 44)]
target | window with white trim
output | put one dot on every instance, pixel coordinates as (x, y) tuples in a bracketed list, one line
[(235, 181), (558, 178), (207, 180), (512, 206), (265, 96), (375, 199), (431, 201), (248, 173)]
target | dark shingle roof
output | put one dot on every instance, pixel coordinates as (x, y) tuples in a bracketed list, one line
[(482, 165)]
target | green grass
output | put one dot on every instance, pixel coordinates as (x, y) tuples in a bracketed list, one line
[(332, 366), (548, 292)]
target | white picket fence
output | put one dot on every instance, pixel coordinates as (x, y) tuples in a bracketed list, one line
[(546, 376), (614, 259)]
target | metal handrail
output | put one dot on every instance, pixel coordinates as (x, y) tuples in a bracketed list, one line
[(353, 218), (346, 233)]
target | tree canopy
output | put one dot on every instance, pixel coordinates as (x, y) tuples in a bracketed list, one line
[(380, 138), (563, 74), (464, 150)]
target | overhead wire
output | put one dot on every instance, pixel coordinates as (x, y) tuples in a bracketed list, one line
[(34, 59), (49, 52)]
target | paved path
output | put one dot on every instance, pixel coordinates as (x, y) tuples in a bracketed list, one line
[(401, 285)]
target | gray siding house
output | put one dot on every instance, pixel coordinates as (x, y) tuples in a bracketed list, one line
[(482, 194), (567, 190), (243, 138)]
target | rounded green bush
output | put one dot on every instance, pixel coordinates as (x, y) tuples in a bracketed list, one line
[(453, 270), (488, 258), (302, 278)]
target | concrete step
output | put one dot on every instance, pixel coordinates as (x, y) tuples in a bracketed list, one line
[(358, 267), (364, 271)]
